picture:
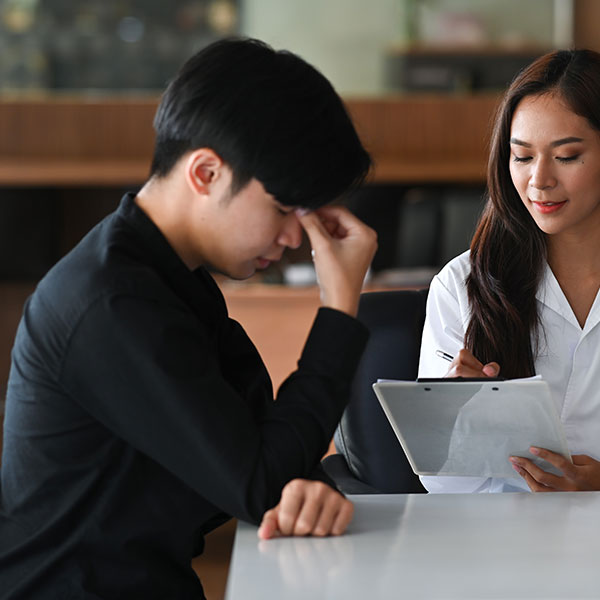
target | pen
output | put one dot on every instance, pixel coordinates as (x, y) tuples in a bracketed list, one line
[(444, 355)]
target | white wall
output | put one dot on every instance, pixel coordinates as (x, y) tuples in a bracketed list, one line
[(344, 39), (347, 39)]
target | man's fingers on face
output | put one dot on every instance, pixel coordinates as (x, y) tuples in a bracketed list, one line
[(329, 224), (309, 223), (334, 229), (317, 232), (339, 214), (349, 226)]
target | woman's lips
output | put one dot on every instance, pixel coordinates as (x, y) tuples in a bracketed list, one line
[(546, 208)]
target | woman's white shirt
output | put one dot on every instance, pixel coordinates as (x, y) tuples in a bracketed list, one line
[(568, 359)]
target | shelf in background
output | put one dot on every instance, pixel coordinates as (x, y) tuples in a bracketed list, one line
[(70, 141), (441, 170), (426, 138), (67, 173)]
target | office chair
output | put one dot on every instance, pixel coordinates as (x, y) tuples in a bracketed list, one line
[(370, 459)]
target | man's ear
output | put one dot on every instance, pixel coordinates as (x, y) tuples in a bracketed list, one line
[(203, 168)]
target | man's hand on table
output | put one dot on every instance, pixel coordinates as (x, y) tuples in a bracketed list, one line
[(307, 508)]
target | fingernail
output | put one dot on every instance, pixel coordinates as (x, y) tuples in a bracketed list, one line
[(518, 469), (300, 212), (514, 460), (534, 450)]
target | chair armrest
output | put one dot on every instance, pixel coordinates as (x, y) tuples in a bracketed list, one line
[(336, 467)]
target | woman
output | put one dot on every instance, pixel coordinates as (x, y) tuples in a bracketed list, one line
[(524, 299)]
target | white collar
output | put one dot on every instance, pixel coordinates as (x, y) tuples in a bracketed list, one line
[(550, 294)]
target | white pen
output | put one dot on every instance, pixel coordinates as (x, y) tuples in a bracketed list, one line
[(444, 355)]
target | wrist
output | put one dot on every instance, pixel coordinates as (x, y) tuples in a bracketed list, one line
[(346, 304)]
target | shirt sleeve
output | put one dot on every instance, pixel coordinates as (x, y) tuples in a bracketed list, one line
[(443, 330), (152, 375)]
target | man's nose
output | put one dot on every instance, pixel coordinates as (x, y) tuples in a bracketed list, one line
[(291, 232)]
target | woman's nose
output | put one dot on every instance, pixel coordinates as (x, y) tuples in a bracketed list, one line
[(542, 176)]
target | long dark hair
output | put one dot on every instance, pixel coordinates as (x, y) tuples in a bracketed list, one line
[(508, 250)]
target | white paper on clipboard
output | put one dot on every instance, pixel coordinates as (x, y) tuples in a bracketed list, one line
[(470, 428)]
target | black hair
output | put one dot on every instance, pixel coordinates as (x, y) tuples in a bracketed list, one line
[(269, 115)]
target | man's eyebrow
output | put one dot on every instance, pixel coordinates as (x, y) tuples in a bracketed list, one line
[(561, 142)]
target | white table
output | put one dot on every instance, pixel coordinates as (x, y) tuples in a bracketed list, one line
[(497, 546)]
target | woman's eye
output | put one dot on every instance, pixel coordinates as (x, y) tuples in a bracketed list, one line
[(521, 159), (567, 159)]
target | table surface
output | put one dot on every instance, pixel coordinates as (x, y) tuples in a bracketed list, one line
[(446, 546)]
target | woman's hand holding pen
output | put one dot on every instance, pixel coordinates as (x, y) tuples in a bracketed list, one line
[(583, 474), (464, 364)]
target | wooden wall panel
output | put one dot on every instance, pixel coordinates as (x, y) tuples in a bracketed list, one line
[(77, 129), (426, 138), (70, 141), (587, 24)]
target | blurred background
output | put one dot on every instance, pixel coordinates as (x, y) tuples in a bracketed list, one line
[(132, 45), (80, 81)]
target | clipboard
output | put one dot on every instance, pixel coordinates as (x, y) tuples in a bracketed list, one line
[(470, 428)]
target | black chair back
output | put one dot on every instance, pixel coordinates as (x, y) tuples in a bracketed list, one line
[(364, 436)]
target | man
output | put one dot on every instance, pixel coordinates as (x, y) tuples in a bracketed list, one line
[(138, 415)]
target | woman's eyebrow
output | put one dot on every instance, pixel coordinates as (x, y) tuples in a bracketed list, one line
[(567, 140), (518, 142), (562, 141)]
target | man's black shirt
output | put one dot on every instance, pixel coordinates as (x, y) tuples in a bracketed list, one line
[(139, 416)]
